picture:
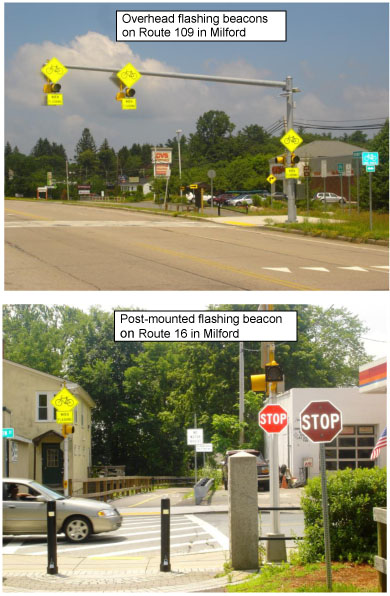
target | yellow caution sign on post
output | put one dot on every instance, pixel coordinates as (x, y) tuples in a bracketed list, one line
[(64, 401), (291, 172), (64, 417), (55, 99), (291, 140), (129, 75), (271, 179)]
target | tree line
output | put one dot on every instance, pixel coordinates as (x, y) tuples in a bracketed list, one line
[(241, 160), (147, 394)]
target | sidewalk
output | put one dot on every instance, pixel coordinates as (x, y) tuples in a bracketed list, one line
[(190, 572)]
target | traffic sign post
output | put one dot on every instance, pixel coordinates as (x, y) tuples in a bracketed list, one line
[(195, 437), (321, 422), (64, 402)]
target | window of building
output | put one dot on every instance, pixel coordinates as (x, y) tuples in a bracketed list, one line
[(351, 448), (45, 411)]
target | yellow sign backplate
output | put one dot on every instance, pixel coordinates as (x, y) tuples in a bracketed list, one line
[(64, 417), (54, 70), (128, 75), (129, 103), (271, 179), (55, 99), (291, 172), (291, 140), (193, 186), (64, 401)]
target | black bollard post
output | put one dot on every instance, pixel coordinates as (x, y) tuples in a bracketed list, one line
[(52, 568), (165, 564)]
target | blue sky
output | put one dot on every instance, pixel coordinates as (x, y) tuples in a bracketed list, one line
[(337, 54)]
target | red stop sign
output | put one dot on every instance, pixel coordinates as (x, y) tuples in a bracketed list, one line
[(273, 418), (321, 421)]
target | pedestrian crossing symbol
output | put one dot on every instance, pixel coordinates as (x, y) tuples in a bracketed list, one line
[(291, 140)]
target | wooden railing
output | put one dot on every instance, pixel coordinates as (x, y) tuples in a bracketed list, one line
[(120, 486), (380, 561)]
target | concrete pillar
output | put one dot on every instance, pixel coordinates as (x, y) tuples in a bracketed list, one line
[(243, 511)]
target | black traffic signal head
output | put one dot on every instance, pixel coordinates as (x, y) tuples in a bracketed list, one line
[(51, 88), (130, 92), (273, 372), (295, 158)]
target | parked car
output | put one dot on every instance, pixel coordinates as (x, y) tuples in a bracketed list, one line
[(262, 468), (279, 196), (222, 198), (329, 197), (25, 511), (240, 200)]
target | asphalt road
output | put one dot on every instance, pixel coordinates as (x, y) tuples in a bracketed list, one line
[(52, 246)]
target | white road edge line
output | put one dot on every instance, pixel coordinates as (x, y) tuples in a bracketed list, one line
[(219, 537)]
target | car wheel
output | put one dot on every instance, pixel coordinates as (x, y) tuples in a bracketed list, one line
[(238, 204), (77, 529), (341, 201)]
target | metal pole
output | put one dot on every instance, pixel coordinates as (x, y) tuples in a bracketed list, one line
[(370, 194), (241, 391), (349, 194), (274, 472), (358, 184), (165, 564), (341, 190), (195, 456), (66, 467), (67, 180), (325, 513), (52, 568), (178, 146), (291, 210)]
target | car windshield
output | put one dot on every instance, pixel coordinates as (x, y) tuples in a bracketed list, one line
[(46, 491)]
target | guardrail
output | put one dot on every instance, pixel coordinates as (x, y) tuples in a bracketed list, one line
[(119, 486), (280, 537), (231, 209), (202, 488)]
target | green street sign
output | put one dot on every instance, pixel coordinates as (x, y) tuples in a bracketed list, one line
[(370, 168), (8, 433), (340, 168), (357, 153)]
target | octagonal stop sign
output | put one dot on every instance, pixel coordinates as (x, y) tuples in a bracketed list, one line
[(321, 421), (273, 418)]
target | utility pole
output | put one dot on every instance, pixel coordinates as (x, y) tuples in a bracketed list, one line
[(241, 391)]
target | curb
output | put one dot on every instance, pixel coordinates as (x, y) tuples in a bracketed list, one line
[(323, 236)]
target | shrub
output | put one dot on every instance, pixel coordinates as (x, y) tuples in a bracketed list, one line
[(352, 494)]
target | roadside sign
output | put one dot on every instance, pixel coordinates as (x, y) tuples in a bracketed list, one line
[(370, 168), (54, 70), (55, 99), (204, 447), (129, 103), (64, 417), (128, 75), (308, 462), (193, 186), (357, 153), (348, 169), (370, 158), (273, 418), (324, 168), (291, 172), (291, 140), (321, 421), (194, 436), (340, 168), (64, 400), (8, 433), (306, 171), (271, 179), (211, 173)]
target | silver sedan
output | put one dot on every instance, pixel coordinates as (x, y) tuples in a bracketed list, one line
[(25, 511)]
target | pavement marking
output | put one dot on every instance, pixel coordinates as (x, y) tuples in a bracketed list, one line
[(11, 548), (281, 269), (154, 498), (13, 211), (214, 532), (105, 224), (151, 548), (316, 269), (124, 557), (139, 513), (209, 263), (354, 269), (241, 223), (386, 267)]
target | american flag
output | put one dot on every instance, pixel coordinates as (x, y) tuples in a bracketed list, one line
[(382, 442)]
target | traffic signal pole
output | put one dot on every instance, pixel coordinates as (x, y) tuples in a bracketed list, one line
[(274, 467), (286, 86)]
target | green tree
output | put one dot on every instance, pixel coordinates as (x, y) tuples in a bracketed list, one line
[(85, 143), (210, 140), (107, 161)]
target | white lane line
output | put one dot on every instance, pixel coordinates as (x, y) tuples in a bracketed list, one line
[(354, 269), (316, 269), (281, 269), (11, 548), (72, 548), (214, 532), (149, 548)]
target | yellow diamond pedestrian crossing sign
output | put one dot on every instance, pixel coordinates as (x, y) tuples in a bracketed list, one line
[(271, 179), (129, 75), (291, 140), (64, 400), (54, 70)]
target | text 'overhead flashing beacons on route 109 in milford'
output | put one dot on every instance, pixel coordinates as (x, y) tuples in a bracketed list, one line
[(209, 25), (210, 325)]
